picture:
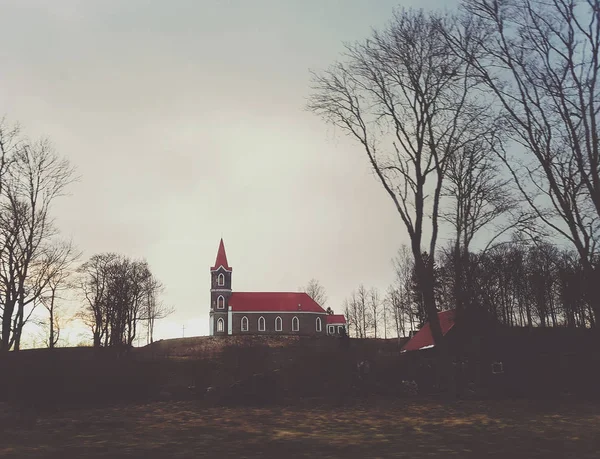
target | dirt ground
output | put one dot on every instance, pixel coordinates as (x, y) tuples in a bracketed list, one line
[(366, 429)]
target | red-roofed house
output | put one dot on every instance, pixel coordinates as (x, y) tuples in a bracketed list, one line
[(336, 324), (285, 313), (423, 339)]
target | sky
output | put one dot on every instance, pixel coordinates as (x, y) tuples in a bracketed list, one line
[(186, 123)]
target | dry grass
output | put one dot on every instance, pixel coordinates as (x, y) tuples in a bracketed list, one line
[(378, 428)]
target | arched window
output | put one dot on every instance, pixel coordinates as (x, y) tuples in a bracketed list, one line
[(220, 325), (318, 324), (221, 280), (261, 323), (278, 324), (220, 302), (295, 324), (244, 323)]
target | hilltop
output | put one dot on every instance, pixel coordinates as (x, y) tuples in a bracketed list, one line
[(212, 346)]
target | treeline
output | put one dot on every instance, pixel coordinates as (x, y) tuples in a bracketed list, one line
[(516, 283), (39, 270), (482, 127)]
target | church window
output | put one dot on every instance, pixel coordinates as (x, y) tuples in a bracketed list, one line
[(340, 329), (278, 324), (261, 324), (244, 323), (318, 324), (221, 302), (295, 324), (331, 329), (220, 325), (221, 280)]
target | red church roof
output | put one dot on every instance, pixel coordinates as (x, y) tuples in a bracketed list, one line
[(273, 302), (221, 258), (336, 319), (424, 339)]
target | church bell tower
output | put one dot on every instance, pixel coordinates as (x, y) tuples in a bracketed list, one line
[(220, 290)]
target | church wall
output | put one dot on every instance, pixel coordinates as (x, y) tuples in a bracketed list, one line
[(308, 323), (215, 317)]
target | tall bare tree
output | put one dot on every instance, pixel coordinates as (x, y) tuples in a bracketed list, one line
[(35, 178), (410, 103), (539, 60)]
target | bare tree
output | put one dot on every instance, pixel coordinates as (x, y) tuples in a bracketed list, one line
[(36, 177), (405, 308), (539, 60), (316, 291), (154, 308), (120, 293), (375, 306), (354, 313), (64, 256), (410, 103), (348, 314), (93, 283), (363, 316), (392, 304), (478, 195)]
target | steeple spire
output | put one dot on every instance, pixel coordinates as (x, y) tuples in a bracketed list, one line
[(221, 258)]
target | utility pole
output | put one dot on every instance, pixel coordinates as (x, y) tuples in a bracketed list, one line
[(183, 331)]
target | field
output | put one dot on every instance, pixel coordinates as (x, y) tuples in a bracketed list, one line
[(380, 427)]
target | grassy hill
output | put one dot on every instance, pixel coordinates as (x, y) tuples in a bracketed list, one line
[(271, 367), (211, 346)]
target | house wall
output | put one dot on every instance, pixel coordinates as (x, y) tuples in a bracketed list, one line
[(308, 323), (337, 329)]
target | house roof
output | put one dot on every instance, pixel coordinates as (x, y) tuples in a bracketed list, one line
[(423, 339), (273, 302), (336, 319), (221, 258)]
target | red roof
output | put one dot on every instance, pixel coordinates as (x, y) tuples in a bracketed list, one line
[(336, 319), (423, 338), (221, 258), (273, 302)]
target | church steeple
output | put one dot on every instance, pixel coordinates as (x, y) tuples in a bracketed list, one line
[(220, 291), (221, 258)]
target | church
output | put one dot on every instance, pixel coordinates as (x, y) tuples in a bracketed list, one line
[(264, 313)]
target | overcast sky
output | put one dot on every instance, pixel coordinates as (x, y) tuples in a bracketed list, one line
[(186, 122)]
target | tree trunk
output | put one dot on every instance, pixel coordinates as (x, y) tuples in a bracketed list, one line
[(6, 326), (425, 279), (51, 341)]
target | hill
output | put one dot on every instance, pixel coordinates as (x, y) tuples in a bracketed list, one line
[(211, 346), (187, 367)]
